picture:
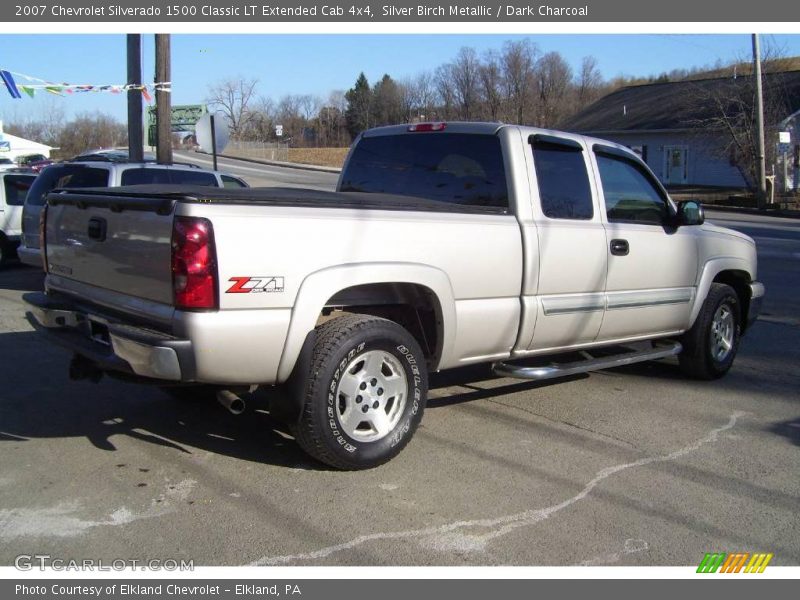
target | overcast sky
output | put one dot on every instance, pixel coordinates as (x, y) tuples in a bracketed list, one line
[(317, 64)]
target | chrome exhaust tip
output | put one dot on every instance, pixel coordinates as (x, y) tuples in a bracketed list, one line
[(231, 401)]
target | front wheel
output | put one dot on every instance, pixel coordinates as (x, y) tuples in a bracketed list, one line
[(710, 346), (364, 394)]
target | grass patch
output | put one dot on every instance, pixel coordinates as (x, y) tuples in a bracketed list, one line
[(326, 157)]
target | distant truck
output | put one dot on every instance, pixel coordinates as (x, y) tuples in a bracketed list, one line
[(445, 245)]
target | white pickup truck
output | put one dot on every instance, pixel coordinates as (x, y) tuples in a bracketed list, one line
[(444, 245)]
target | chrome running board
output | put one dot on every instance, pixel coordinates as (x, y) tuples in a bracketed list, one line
[(661, 350)]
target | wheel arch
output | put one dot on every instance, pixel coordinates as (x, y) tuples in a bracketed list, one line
[(730, 271), (381, 289)]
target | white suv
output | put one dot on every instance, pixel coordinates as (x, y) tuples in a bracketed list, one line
[(104, 171)]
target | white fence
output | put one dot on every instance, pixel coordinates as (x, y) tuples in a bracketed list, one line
[(258, 150)]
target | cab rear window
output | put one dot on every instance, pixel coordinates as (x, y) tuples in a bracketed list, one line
[(465, 169)]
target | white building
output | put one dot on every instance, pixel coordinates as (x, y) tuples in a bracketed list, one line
[(12, 146), (679, 128)]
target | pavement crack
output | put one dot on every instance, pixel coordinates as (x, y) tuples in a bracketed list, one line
[(467, 536), (567, 423)]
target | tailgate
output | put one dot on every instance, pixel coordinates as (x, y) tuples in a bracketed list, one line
[(114, 242)]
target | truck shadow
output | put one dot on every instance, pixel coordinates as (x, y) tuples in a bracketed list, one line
[(789, 429), (40, 402), (16, 276)]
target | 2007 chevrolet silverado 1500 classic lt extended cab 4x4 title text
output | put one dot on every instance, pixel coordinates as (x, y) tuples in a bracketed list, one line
[(444, 245)]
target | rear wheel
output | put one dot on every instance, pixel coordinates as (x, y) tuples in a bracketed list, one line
[(364, 393), (710, 346)]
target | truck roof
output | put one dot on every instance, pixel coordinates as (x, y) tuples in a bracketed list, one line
[(491, 128)]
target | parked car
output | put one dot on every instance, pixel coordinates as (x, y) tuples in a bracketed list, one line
[(25, 159), (14, 187), (445, 245), (37, 165), (96, 170), (6, 164)]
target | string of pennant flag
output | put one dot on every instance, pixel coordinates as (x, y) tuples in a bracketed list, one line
[(32, 85)]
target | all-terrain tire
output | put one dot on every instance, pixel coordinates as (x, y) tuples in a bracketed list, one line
[(361, 367)]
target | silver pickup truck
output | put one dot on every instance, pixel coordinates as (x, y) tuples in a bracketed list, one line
[(541, 252)]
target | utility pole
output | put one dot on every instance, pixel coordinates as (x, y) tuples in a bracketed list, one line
[(163, 102), (135, 141), (760, 165)]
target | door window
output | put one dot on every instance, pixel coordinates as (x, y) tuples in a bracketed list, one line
[(630, 194), (564, 190)]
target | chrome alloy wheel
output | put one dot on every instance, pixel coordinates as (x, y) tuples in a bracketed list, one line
[(371, 396), (722, 333)]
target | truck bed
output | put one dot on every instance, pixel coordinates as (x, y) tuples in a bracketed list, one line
[(161, 199)]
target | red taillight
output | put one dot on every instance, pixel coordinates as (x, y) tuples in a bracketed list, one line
[(418, 127), (194, 263), (43, 236)]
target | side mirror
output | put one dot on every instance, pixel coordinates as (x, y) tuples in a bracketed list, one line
[(690, 212)]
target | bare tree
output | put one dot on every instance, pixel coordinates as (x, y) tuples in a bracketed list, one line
[(518, 60), (233, 98), (589, 82), (418, 97), (554, 77), (465, 71), (309, 105), (261, 125), (45, 125), (733, 114), (89, 131), (491, 79), (445, 91)]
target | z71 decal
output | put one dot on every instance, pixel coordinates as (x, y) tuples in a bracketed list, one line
[(254, 285)]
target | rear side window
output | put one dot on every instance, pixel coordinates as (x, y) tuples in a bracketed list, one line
[(65, 176), (144, 175), (232, 182), (564, 190), (630, 195), (16, 188), (193, 178), (463, 169)]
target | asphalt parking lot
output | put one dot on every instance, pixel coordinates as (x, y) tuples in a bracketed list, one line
[(635, 466)]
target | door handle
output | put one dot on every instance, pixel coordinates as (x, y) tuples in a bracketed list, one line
[(97, 229), (620, 247)]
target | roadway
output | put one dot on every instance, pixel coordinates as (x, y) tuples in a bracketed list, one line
[(635, 466)]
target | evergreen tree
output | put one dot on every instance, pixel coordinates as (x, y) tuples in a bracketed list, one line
[(359, 106)]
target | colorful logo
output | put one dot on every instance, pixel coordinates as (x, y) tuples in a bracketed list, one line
[(734, 562)]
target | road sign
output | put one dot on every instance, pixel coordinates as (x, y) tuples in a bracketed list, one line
[(221, 133), (279, 130), (784, 137), (184, 117)]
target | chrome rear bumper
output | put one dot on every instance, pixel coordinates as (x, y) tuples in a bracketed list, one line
[(111, 345)]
